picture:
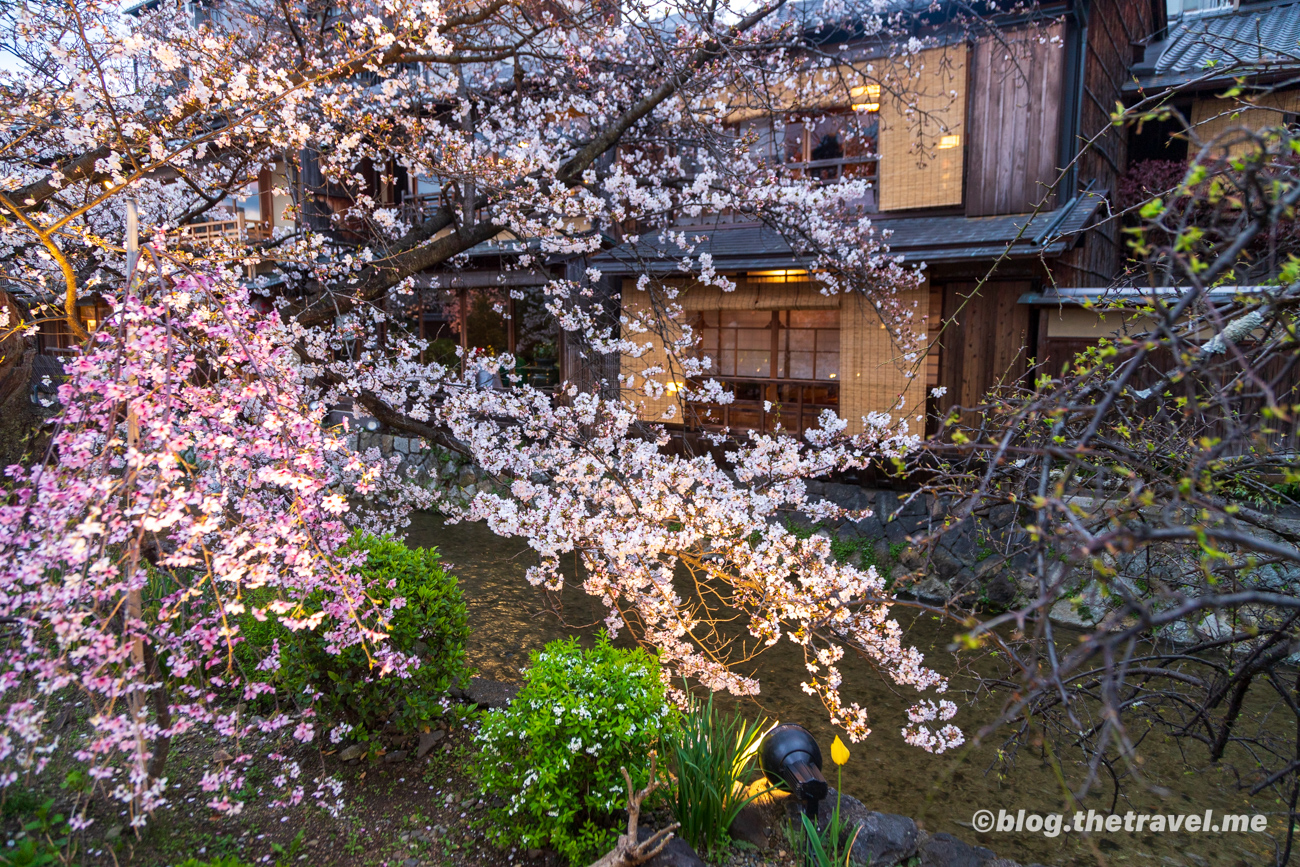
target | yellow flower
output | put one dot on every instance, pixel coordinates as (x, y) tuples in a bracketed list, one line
[(839, 752)]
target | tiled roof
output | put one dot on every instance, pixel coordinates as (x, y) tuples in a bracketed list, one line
[(916, 239), (1261, 35)]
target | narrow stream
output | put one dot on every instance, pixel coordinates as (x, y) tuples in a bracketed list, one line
[(509, 618)]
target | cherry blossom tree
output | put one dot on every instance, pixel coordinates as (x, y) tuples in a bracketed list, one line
[(190, 435)]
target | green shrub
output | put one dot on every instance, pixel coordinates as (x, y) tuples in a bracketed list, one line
[(44, 840), (712, 756), (431, 625), (554, 755)]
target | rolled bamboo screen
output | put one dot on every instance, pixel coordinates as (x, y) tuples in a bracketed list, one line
[(874, 376), (923, 132), (1214, 117), (637, 307)]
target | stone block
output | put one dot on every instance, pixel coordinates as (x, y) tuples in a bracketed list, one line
[(678, 853), (402, 445), (960, 542), (847, 496), (896, 531), (945, 564), (931, 589), (750, 826), (1000, 592), (883, 839), (945, 850), (1084, 609), (488, 694), (848, 532), (915, 507), (886, 505), (1001, 516), (428, 741), (871, 527), (386, 444)]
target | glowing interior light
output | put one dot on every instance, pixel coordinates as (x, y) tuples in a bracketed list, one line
[(949, 141), (866, 97)]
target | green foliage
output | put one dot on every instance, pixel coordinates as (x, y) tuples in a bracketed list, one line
[(19, 802), (554, 755), (827, 847), (712, 756), (227, 861), (800, 531), (42, 841), (432, 624)]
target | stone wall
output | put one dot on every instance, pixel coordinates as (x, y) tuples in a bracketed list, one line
[(432, 467)]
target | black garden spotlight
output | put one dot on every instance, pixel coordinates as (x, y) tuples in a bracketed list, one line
[(790, 756)]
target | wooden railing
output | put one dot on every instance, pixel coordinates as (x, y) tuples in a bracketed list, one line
[(237, 229), (762, 404)]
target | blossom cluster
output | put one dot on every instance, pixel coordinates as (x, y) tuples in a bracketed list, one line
[(190, 484)]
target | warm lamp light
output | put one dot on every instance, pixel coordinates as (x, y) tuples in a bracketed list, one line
[(866, 98)]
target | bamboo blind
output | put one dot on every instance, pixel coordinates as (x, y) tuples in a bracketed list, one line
[(637, 308), (1214, 117), (873, 373), (923, 134)]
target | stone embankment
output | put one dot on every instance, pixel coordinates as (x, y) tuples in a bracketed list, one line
[(974, 562)]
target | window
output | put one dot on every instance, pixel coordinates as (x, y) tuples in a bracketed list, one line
[(772, 344), (833, 147), (782, 365)]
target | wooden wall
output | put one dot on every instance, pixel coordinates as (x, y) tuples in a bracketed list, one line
[(1115, 27), (1015, 121), (984, 341), (918, 167)]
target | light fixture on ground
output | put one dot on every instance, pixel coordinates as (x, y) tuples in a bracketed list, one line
[(790, 756)]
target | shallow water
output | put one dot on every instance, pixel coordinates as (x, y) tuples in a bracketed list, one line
[(509, 618)]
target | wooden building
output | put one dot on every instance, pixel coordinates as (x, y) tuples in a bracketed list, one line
[(1017, 158), (1229, 69)]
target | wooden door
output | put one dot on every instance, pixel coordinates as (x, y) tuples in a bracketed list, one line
[(985, 339)]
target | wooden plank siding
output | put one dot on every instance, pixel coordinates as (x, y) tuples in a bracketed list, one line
[(1114, 29), (985, 340), (1015, 121)]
